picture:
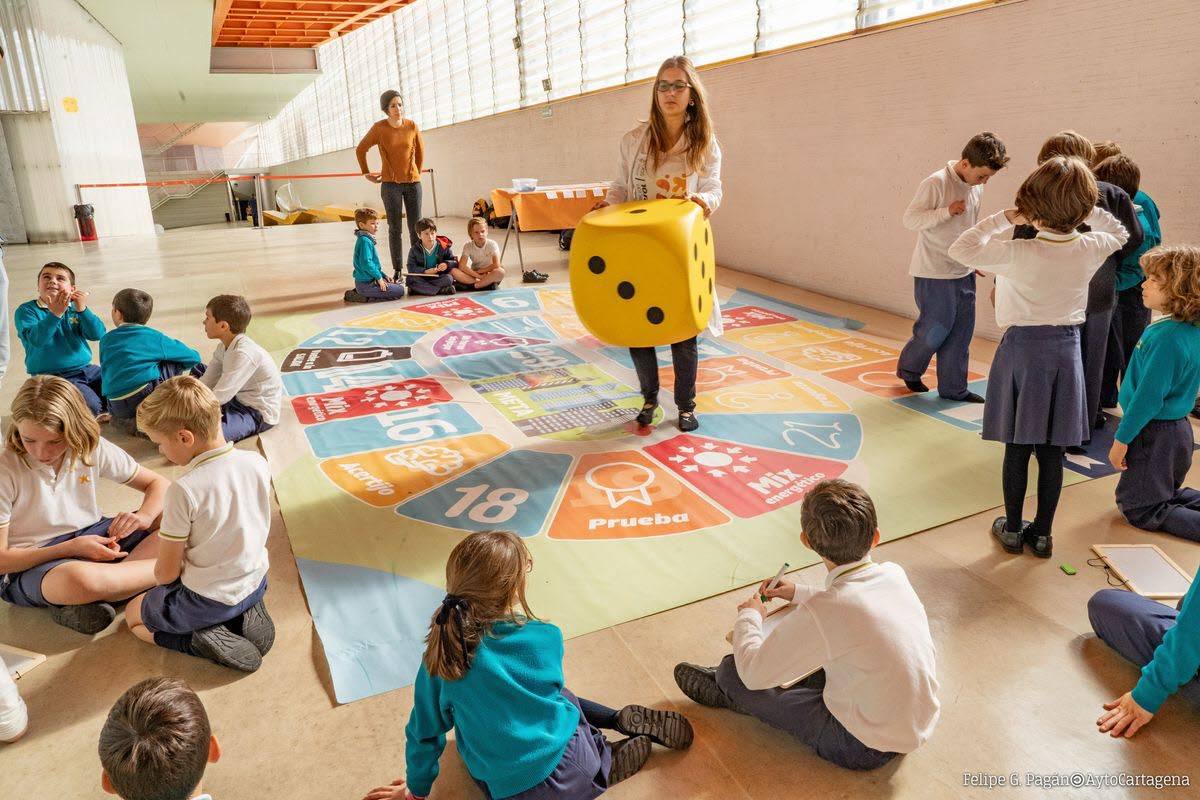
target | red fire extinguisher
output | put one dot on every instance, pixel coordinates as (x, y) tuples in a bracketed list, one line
[(85, 215)]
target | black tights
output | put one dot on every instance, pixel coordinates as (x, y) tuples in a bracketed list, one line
[(599, 716), (1016, 481)]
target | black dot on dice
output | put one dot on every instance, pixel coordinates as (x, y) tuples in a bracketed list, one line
[(695, 251), (625, 289), (706, 235), (703, 267), (699, 304), (596, 265), (638, 211), (710, 285), (655, 315)]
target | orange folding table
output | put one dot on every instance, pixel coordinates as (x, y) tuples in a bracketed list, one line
[(546, 208)]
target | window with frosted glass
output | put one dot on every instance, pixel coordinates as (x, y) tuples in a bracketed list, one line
[(506, 71), (458, 59), (333, 104), (717, 30), (787, 22), (565, 68), (881, 12), (655, 33), (532, 27)]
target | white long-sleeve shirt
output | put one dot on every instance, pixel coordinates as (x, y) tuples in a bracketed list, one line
[(929, 215), (1040, 281), (244, 370), (868, 630)]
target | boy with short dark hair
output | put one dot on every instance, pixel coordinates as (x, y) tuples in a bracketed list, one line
[(135, 358), (432, 259), (849, 669), (55, 329), (241, 374), (369, 283), (946, 204), (156, 743)]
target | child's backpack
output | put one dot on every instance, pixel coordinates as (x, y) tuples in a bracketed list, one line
[(484, 209), (444, 241)]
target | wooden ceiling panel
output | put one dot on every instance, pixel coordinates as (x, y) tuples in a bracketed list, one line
[(292, 23)]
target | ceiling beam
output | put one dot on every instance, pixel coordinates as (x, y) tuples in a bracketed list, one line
[(220, 12), (366, 13)]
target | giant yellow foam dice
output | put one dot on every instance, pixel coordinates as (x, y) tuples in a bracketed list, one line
[(642, 273)]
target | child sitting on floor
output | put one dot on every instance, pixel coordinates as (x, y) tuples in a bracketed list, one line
[(241, 374), (479, 265), (1153, 444), (55, 330), (135, 358), (428, 262), (156, 743), (493, 673), (212, 553), (56, 550), (855, 654), (369, 283)]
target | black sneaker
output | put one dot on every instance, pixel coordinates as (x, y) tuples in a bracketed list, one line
[(971, 398), (1042, 544), (446, 289), (352, 296), (646, 415), (88, 618), (226, 648), (258, 628), (533, 276), (1011, 541), (628, 756), (668, 728), (700, 684), (917, 387), (688, 421), (492, 286)]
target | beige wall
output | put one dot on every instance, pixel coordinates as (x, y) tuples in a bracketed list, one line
[(825, 146)]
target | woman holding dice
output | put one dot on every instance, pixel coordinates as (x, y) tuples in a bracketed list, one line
[(673, 155)]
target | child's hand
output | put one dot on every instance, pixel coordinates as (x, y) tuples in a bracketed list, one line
[(383, 284), (96, 548), (373, 177), (785, 589), (698, 200), (754, 603), (396, 791), (126, 523), (958, 207), (57, 302), (600, 205), (1116, 454), (1123, 717), (79, 297), (441, 267)]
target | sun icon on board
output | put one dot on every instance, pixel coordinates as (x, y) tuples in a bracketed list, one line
[(714, 459)]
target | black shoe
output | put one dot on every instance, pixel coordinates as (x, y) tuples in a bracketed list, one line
[(88, 618), (700, 684), (226, 648), (916, 386), (628, 756), (668, 728), (688, 421), (971, 398), (646, 415), (352, 296), (1042, 544), (258, 628), (1011, 541), (1100, 421), (533, 276), (492, 287), (446, 289), (1078, 449)]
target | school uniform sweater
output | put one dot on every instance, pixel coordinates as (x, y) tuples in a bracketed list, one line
[(1129, 271), (130, 356), (1175, 660), (400, 149), (422, 260), (54, 345), (929, 215), (1163, 377), (511, 721), (366, 258)]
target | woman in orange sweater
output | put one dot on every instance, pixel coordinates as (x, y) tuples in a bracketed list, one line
[(403, 154)]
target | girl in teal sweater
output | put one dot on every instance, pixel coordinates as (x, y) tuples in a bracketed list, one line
[(495, 675)]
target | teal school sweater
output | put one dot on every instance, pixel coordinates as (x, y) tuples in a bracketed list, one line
[(1129, 272), (366, 258), (1175, 660), (1163, 377), (130, 356), (511, 721), (53, 344)]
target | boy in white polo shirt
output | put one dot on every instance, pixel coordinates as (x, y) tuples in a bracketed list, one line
[(241, 374), (212, 553), (855, 655)]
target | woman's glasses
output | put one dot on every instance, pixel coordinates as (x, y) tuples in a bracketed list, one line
[(668, 86)]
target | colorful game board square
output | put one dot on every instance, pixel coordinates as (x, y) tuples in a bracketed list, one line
[(715, 373), (788, 334), (515, 491), (515, 326), (334, 380), (748, 481), (465, 342), (751, 316), (605, 419), (624, 495), (566, 325), (517, 359), (401, 320), (557, 301), (968, 416), (836, 436), (388, 477), (310, 359), (459, 309), (362, 337), (705, 348), (361, 401), (389, 429), (510, 301), (880, 378), (836, 355), (786, 394)]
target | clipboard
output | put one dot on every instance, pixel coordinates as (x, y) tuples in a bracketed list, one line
[(1145, 569), (770, 622), (17, 661)]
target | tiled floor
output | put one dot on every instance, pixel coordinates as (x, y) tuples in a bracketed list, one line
[(1022, 679)]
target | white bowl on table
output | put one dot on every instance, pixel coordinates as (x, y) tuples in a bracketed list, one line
[(524, 184)]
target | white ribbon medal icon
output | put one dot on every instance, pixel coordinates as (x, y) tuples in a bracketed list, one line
[(627, 494)]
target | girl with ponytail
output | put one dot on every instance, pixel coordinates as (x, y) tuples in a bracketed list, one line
[(493, 672)]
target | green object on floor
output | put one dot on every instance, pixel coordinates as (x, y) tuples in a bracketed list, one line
[(1067, 568)]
